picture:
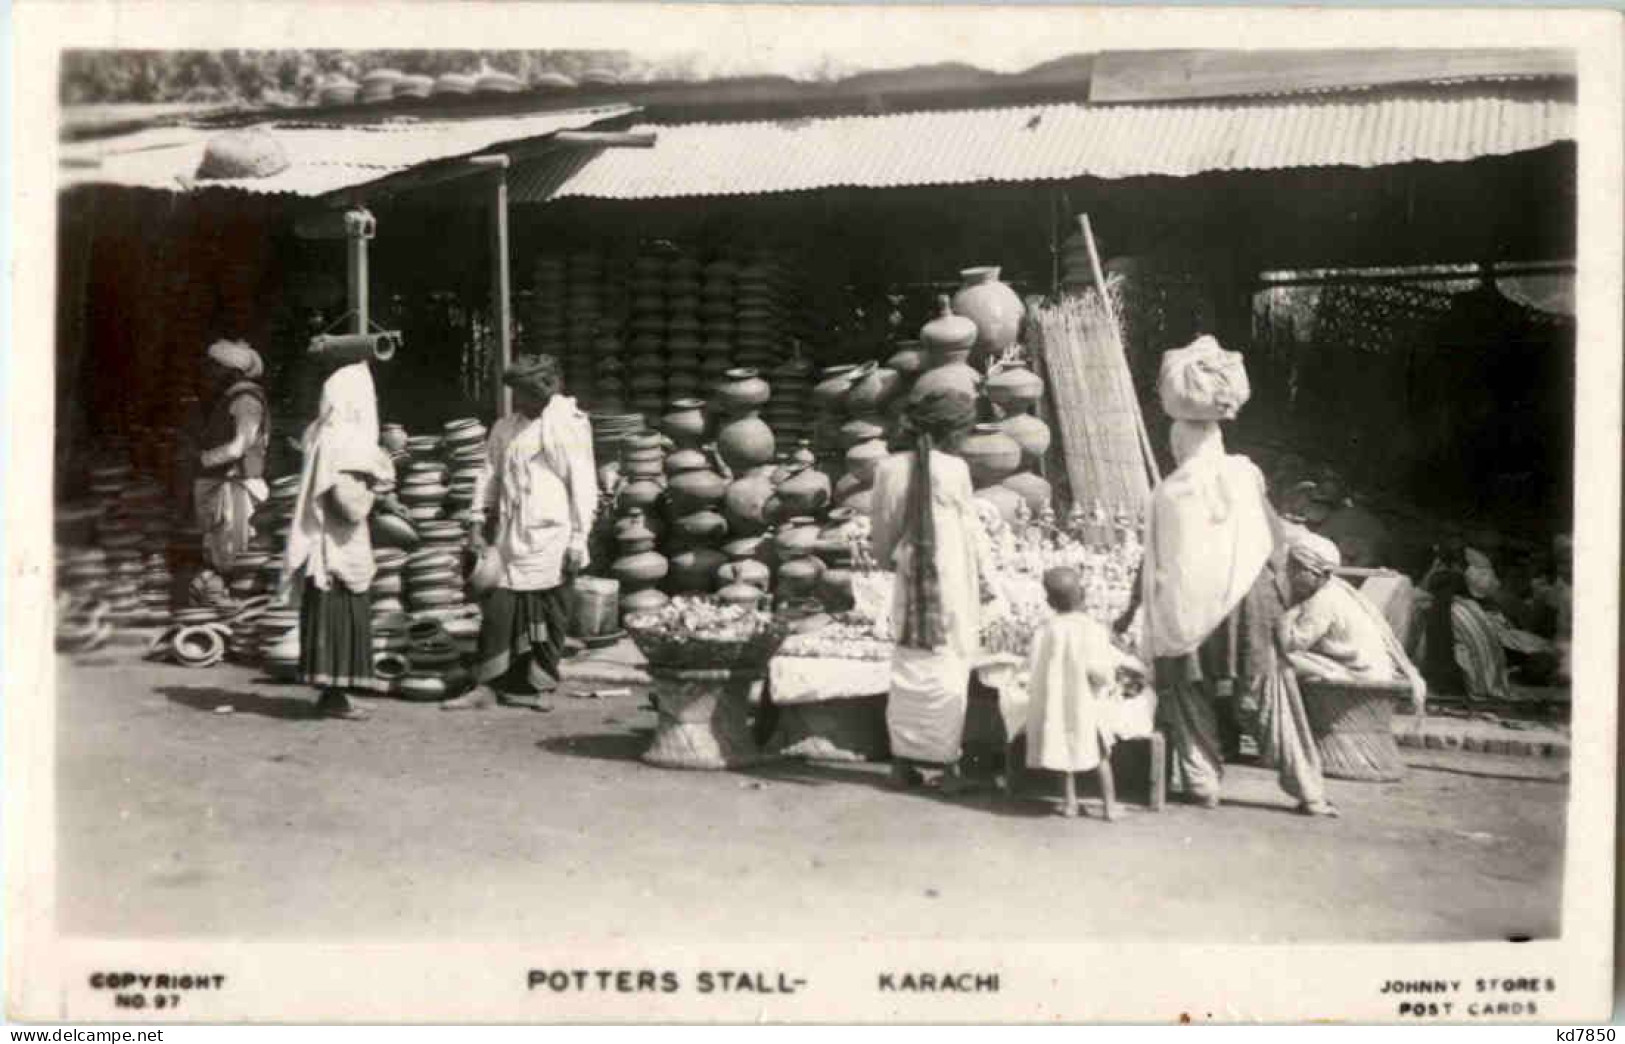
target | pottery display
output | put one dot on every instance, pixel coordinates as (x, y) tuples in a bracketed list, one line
[(948, 340), (697, 490), (874, 391), (1008, 502), (802, 491), (744, 503), (685, 422), (833, 385), (795, 538), (743, 390), (694, 571), (992, 306), (741, 594), (991, 454), (1034, 489), (745, 571)]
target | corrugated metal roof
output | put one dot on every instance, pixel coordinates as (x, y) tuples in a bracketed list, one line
[(323, 158), (1055, 142)]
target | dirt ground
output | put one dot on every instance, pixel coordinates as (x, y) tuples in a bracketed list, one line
[(508, 824)]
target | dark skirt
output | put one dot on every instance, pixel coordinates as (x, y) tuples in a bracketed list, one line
[(335, 639), (515, 624)]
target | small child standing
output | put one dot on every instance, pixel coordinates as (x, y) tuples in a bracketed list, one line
[(1072, 672)]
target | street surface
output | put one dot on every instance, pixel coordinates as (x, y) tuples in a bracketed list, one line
[(177, 820)]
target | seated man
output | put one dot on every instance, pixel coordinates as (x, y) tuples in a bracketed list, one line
[(1331, 632)]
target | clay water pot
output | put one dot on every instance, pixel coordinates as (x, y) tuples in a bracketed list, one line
[(803, 491), (992, 455), (796, 538), (833, 385), (874, 391), (696, 490), (947, 334), (908, 360), (797, 577), (648, 468), (684, 423), (863, 458), (860, 430), (694, 571), (745, 501), (689, 459), (699, 528), (641, 493), (640, 569), (992, 306), (834, 589), (749, 571), (747, 549), (1006, 500), (1034, 489), (647, 600), (1015, 388), (1030, 433), (742, 594), (393, 438), (742, 391), (632, 532), (745, 442)]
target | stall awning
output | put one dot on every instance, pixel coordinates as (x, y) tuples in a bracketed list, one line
[(1066, 141), (323, 158)]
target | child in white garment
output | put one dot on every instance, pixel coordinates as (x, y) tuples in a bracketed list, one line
[(1072, 693)]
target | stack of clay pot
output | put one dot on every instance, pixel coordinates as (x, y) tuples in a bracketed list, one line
[(422, 488), (695, 486), (434, 659), (797, 568), (390, 648), (743, 438), (791, 412), (1015, 392), (278, 634), (639, 378), (84, 572), (638, 567), (546, 323), (586, 305), (745, 578), (248, 576), (717, 330), (433, 579), (157, 586)]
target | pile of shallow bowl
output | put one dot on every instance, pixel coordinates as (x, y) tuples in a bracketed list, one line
[(278, 633), (434, 579), (437, 670), (84, 572), (423, 490), (464, 449), (390, 647), (243, 644), (249, 575), (157, 585), (387, 585)]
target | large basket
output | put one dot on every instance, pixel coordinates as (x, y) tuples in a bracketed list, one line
[(691, 653), (1353, 726)]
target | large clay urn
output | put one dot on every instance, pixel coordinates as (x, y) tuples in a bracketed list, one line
[(745, 441), (1015, 388), (992, 306), (992, 455), (742, 390), (861, 429), (795, 538), (639, 493), (744, 502), (834, 384), (694, 571), (948, 340), (1031, 434), (1034, 489), (735, 593), (745, 571), (797, 577), (689, 459), (699, 529)]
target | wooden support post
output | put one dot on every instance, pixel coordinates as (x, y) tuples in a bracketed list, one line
[(501, 301)]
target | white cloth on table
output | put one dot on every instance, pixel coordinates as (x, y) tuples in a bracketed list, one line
[(541, 481), (798, 680), (925, 712)]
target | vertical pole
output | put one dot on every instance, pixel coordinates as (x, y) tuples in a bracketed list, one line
[(1099, 276), (501, 305), (358, 228)]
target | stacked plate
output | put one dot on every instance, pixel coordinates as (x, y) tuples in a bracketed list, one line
[(157, 585), (434, 579), (248, 575), (107, 481), (546, 324), (387, 585), (465, 455), (608, 429), (436, 663), (423, 447), (423, 490), (243, 645), (390, 647), (85, 572)]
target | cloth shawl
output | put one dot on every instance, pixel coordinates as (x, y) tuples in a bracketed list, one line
[(1208, 535), (343, 437), (933, 417)]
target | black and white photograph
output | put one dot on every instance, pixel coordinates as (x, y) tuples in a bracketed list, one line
[(749, 514)]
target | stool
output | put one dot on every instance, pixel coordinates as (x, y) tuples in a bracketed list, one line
[(1139, 759)]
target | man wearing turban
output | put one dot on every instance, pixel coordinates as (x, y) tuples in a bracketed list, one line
[(925, 530), (537, 495), (230, 482)]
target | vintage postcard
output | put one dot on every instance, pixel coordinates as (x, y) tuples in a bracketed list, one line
[(786, 514)]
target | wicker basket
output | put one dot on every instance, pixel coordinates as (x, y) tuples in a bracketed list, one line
[(691, 653), (1352, 725)]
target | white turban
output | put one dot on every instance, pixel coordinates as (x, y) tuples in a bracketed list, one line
[(1314, 551), (237, 355)]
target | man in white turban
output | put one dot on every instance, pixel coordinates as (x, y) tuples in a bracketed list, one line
[(236, 434), (1331, 631)]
